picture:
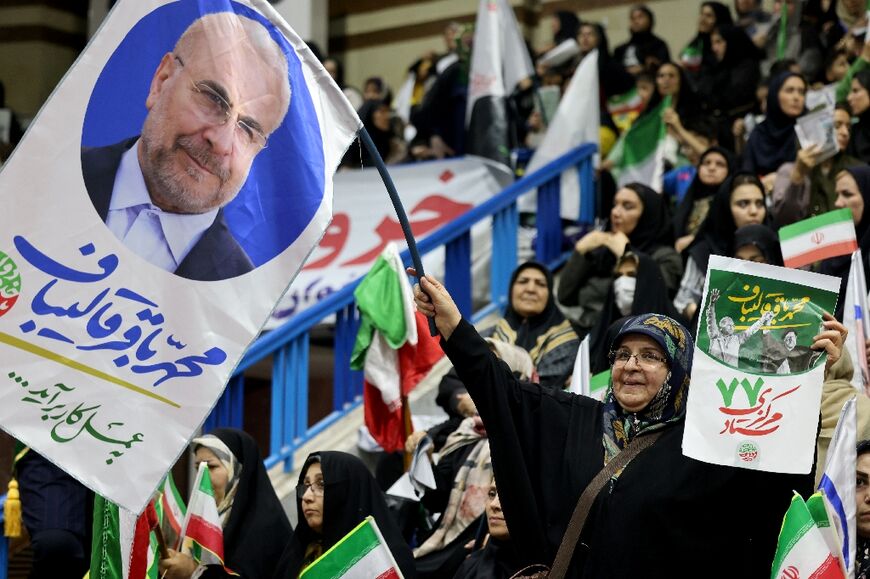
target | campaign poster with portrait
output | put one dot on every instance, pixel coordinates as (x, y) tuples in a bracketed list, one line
[(756, 384), (160, 204)]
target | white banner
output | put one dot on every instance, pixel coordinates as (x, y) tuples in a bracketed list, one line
[(433, 193), (156, 210), (756, 385)]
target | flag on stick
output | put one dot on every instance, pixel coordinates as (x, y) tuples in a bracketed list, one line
[(639, 153), (827, 235), (202, 536), (782, 34), (170, 510), (855, 318), (499, 61), (393, 347), (121, 545), (838, 480), (361, 554), (576, 121), (801, 550)]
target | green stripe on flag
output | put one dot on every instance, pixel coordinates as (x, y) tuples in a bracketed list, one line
[(642, 139), (816, 506), (795, 525), (205, 485), (599, 381), (344, 554), (807, 225), (782, 34), (106, 542)]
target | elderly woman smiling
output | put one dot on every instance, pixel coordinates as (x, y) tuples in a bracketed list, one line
[(661, 515)]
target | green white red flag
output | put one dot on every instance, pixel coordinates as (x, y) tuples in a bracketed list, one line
[(121, 547), (201, 531), (801, 550), (638, 155), (827, 235), (171, 510), (361, 554), (393, 347)]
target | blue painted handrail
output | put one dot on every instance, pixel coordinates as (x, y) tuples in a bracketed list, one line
[(288, 345)]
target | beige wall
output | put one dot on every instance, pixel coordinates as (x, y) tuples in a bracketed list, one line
[(31, 67)]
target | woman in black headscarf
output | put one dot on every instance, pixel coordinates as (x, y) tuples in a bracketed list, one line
[(644, 51), (499, 558), (853, 192), (805, 188), (698, 54), (774, 142), (859, 102), (714, 167), (729, 82), (639, 219), (738, 202), (613, 78), (566, 25), (255, 527), (335, 493), (758, 243), (533, 321), (637, 288), (672, 81), (376, 118)]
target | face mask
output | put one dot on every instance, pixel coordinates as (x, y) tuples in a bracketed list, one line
[(623, 291)]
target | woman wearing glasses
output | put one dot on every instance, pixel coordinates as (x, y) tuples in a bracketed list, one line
[(335, 493), (255, 527), (662, 515)]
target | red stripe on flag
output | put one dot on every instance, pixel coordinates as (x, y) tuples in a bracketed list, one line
[(388, 574), (168, 514), (833, 250), (829, 569), (206, 534), (141, 544)]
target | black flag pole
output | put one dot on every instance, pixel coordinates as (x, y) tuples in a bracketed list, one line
[(399, 208)]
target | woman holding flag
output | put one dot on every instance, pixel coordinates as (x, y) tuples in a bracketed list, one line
[(659, 515), (336, 492), (255, 528)]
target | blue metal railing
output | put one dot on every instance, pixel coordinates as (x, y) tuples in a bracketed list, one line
[(288, 345)]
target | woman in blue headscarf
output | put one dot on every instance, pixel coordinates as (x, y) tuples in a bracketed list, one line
[(661, 515)]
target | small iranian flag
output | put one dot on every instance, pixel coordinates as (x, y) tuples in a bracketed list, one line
[(201, 532), (638, 155), (171, 510), (628, 102), (827, 235), (801, 550), (393, 347), (692, 57), (361, 554), (121, 545)]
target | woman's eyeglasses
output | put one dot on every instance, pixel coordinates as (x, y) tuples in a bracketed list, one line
[(316, 488), (648, 360)]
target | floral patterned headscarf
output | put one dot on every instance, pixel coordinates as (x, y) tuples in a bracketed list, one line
[(669, 404)]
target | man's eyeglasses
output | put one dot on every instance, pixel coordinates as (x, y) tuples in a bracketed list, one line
[(216, 111), (316, 488), (648, 360)]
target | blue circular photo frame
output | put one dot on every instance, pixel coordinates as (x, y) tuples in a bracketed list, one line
[(285, 186)]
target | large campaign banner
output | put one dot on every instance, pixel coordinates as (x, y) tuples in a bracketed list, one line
[(158, 207), (756, 384), (434, 193)]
